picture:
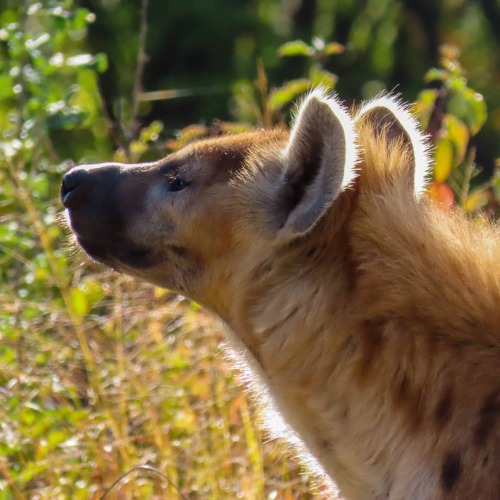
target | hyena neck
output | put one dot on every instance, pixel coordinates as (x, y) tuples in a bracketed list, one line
[(295, 281), (292, 325)]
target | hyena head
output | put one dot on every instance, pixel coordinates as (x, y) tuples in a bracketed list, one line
[(189, 220)]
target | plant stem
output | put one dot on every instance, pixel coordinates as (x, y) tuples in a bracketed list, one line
[(139, 69)]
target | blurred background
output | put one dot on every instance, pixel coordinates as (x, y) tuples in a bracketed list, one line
[(111, 388)]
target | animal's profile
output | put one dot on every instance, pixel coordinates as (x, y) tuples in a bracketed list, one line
[(368, 316)]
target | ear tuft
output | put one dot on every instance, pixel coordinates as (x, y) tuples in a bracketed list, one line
[(319, 160), (393, 118)]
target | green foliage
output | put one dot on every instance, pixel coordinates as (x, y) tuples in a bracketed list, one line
[(93, 380), (48, 83), (453, 113), (318, 76), (265, 105)]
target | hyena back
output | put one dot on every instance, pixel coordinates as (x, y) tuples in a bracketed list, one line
[(368, 317)]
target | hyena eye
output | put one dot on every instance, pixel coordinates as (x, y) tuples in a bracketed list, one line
[(176, 184)]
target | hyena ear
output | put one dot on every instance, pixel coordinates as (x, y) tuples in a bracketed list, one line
[(319, 163), (388, 116)]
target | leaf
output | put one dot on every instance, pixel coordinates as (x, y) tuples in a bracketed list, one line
[(185, 420), (444, 159), (323, 78), (442, 194), (435, 74), (478, 111), (66, 118), (86, 60), (79, 302), (295, 48), (6, 86), (458, 134), (138, 148), (35, 43), (101, 62), (425, 105), (496, 179), (80, 18), (468, 106), (189, 134), (287, 93), (476, 200), (151, 132), (27, 416), (333, 48), (457, 83)]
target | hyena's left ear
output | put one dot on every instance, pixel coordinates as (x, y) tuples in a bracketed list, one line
[(388, 116), (319, 163)]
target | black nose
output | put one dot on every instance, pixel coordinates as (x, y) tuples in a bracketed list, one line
[(71, 183)]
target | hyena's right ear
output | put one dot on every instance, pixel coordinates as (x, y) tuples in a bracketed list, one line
[(389, 118), (319, 163)]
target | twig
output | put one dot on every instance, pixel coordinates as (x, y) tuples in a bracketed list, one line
[(139, 69), (147, 468), (163, 95), (469, 171), (5, 474), (262, 85), (437, 115), (115, 127)]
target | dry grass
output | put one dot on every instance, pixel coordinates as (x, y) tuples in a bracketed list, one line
[(100, 375)]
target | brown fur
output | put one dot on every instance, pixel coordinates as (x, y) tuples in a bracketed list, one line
[(365, 316)]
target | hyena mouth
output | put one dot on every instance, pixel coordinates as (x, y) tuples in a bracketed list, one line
[(124, 253)]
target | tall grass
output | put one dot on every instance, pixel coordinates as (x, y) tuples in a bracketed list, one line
[(100, 375), (107, 387)]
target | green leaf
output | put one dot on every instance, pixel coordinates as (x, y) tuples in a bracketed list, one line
[(457, 83), (425, 105), (476, 200), (81, 18), (56, 437), (295, 48), (79, 302), (101, 62), (435, 74), (287, 93), (468, 106), (152, 132), (444, 159), (333, 48), (323, 78), (6, 86), (458, 134), (477, 111), (27, 415), (66, 118)]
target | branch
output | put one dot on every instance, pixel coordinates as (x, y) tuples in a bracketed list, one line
[(142, 59)]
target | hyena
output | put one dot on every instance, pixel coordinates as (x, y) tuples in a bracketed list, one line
[(368, 317)]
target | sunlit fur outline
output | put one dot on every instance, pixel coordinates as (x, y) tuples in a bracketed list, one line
[(341, 112), (420, 142)]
